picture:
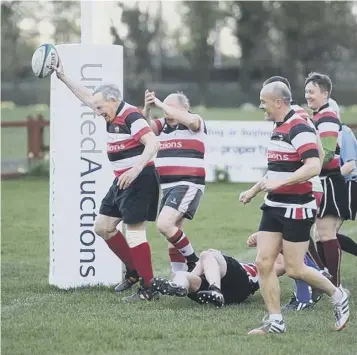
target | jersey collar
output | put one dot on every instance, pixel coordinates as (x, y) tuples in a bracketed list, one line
[(321, 108)]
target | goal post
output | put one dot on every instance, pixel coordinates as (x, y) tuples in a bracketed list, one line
[(80, 173)]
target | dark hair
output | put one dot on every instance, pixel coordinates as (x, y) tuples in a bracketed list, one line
[(321, 80), (276, 78)]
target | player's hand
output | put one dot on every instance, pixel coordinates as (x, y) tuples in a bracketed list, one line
[(158, 103), (246, 196), (149, 98), (252, 240), (128, 177), (270, 185), (59, 69)]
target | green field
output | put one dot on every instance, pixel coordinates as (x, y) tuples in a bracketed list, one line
[(14, 140), (39, 319)]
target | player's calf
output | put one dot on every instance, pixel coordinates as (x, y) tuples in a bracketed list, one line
[(178, 239)]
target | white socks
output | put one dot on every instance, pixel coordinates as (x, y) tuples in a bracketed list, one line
[(337, 296), (180, 278), (276, 317)]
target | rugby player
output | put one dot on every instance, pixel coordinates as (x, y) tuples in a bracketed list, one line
[(217, 279), (348, 161), (333, 208), (133, 196), (180, 163), (349, 168), (289, 208), (303, 298)]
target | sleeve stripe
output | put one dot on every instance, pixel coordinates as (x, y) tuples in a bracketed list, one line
[(329, 134), (302, 149), (303, 138), (138, 125), (329, 126), (311, 153), (300, 127), (328, 119), (159, 124), (131, 115), (142, 132)]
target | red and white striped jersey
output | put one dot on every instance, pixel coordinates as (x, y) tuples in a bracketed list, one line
[(316, 182), (252, 272), (180, 160), (328, 125), (291, 142), (300, 111), (124, 133)]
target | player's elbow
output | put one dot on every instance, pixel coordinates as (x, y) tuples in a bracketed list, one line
[(194, 123)]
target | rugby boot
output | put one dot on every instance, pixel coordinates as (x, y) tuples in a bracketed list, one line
[(295, 305), (213, 295), (130, 279), (144, 293), (166, 287), (269, 327), (342, 310)]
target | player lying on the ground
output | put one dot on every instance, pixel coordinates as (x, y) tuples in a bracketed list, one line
[(217, 278)]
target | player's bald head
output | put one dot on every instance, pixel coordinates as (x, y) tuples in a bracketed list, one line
[(277, 90), (178, 99)]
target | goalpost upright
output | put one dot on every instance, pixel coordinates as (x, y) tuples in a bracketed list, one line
[(80, 173)]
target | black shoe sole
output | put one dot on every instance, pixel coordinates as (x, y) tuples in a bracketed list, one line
[(166, 287), (207, 297)]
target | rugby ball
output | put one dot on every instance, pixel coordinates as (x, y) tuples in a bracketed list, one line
[(44, 56)]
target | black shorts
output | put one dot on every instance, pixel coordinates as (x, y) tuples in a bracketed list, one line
[(182, 198), (235, 284), (138, 203), (334, 200), (293, 230), (352, 200)]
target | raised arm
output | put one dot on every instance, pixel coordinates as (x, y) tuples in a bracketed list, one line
[(82, 93), (149, 101), (188, 119)]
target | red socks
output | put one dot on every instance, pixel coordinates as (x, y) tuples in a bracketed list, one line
[(120, 248)]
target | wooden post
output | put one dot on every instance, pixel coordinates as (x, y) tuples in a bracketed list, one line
[(30, 148), (41, 131)]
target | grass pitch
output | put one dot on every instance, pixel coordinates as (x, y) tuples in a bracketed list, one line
[(39, 319)]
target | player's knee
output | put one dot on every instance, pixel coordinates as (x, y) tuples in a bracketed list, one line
[(165, 227), (103, 229), (264, 264), (205, 255), (326, 228), (293, 271)]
